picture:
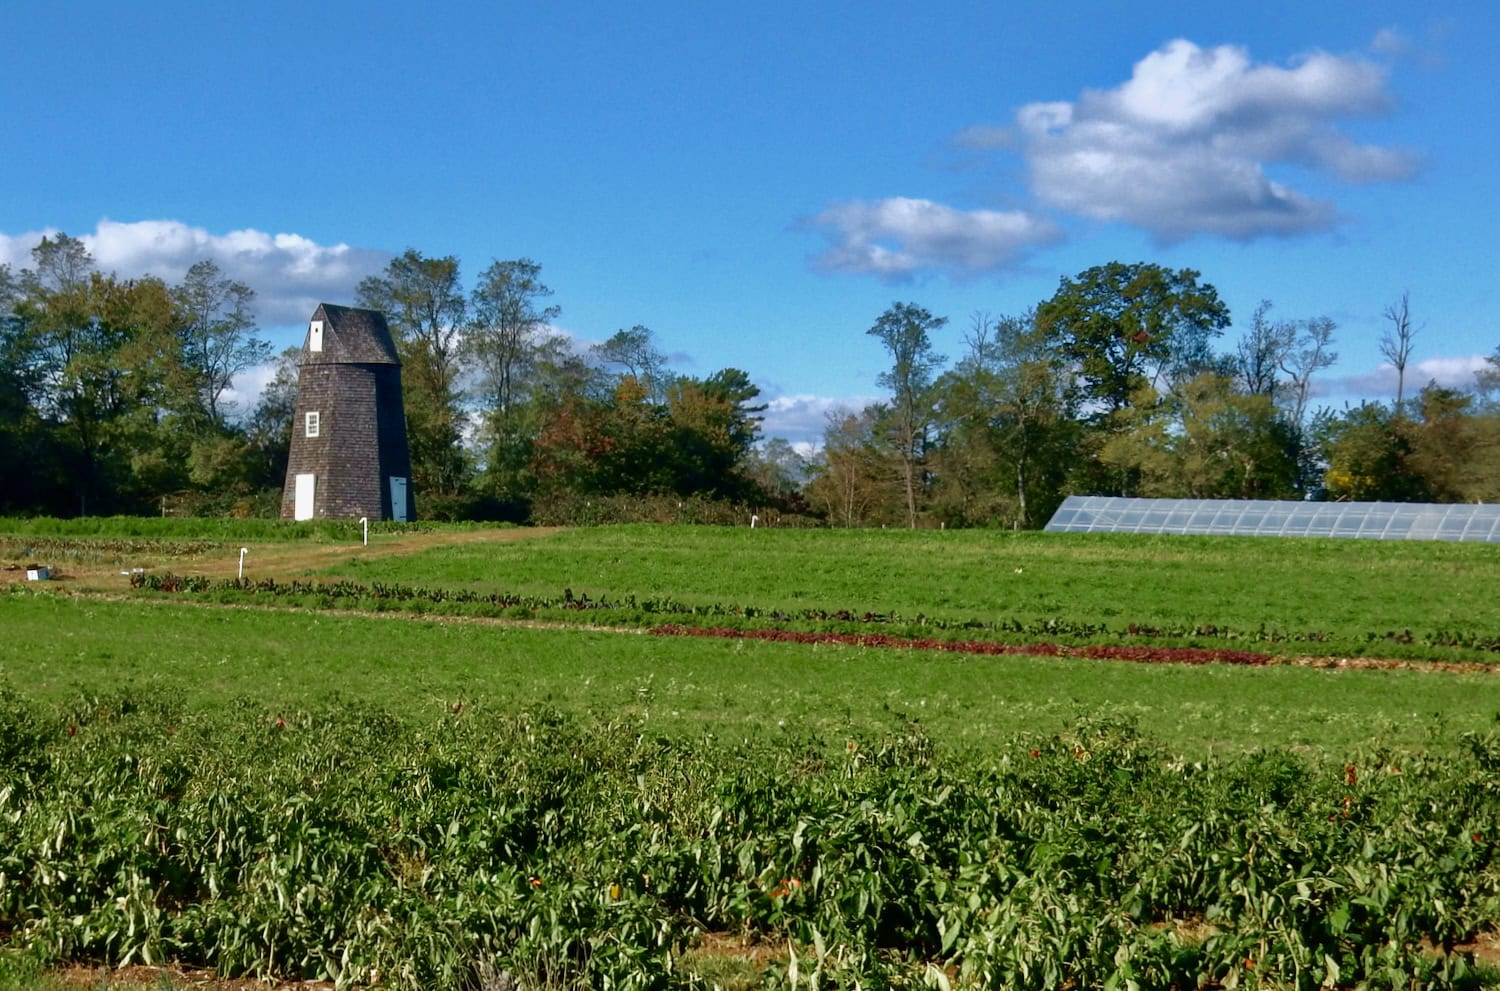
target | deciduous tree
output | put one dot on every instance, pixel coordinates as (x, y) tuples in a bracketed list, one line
[(506, 319), (1205, 440), (1396, 342), (633, 354), (854, 481), (269, 429), (423, 302), (217, 327), (1369, 451), (1261, 352), (1487, 381), (109, 360), (1455, 451), (906, 331), (506, 340), (778, 468), (1127, 326), (24, 440), (1007, 427)]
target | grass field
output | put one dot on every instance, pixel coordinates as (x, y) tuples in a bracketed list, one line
[(1347, 587), (1324, 597), (462, 789), (60, 647), (1346, 590)]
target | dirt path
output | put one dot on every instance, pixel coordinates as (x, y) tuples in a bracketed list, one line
[(292, 559), (284, 559)]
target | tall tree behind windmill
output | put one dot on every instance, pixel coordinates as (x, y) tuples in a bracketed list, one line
[(424, 305), (217, 333), (506, 330)]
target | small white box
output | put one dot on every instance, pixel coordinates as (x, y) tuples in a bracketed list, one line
[(38, 574)]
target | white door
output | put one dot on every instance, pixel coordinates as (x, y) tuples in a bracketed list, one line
[(304, 497), (398, 499)]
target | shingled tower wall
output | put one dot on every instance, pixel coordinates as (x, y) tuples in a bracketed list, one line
[(349, 455)]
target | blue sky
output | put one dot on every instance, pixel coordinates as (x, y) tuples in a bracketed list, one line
[(758, 183)]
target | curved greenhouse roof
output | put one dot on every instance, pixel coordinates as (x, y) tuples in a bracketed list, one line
[(1270, 518)]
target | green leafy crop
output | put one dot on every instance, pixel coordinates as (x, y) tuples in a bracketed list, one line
[(344, 844)]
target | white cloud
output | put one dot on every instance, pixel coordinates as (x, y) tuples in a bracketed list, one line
[(1187, 145), (1449, 371), (1182, 147), (900, 237), (801, 418), (807, 449), (244, 394), (290, 274)]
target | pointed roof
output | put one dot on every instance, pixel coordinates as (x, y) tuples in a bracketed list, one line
[(351, 337)]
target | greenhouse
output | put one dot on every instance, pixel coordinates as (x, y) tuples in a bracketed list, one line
[(1272, 518)]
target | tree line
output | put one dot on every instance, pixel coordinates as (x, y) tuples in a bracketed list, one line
[(112, 391), (1119, 384), (115, 398)]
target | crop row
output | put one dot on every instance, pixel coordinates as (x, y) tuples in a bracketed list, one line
[(1113, 652), (103, 550), (631, 609), (217, 529), (343, 844)]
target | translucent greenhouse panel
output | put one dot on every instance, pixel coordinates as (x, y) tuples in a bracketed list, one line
[(1259, 517), (1273, 519)]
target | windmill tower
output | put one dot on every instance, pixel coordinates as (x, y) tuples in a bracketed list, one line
[(349, 456)]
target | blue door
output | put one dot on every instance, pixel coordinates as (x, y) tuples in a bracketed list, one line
[(398, 500)]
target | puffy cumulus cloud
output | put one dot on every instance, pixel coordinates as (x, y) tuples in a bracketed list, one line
[(801, 418), (1182, 147), (900, 237), (290, 274), (1450, 372), (1196, 141)]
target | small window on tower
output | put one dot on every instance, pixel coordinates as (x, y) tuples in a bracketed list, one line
[(312, 424), (315, 336)]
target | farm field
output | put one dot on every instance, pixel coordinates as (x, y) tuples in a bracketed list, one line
[(1338, 593), (1343, 587), (59, 648), (353, 767), (1346, 588)]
